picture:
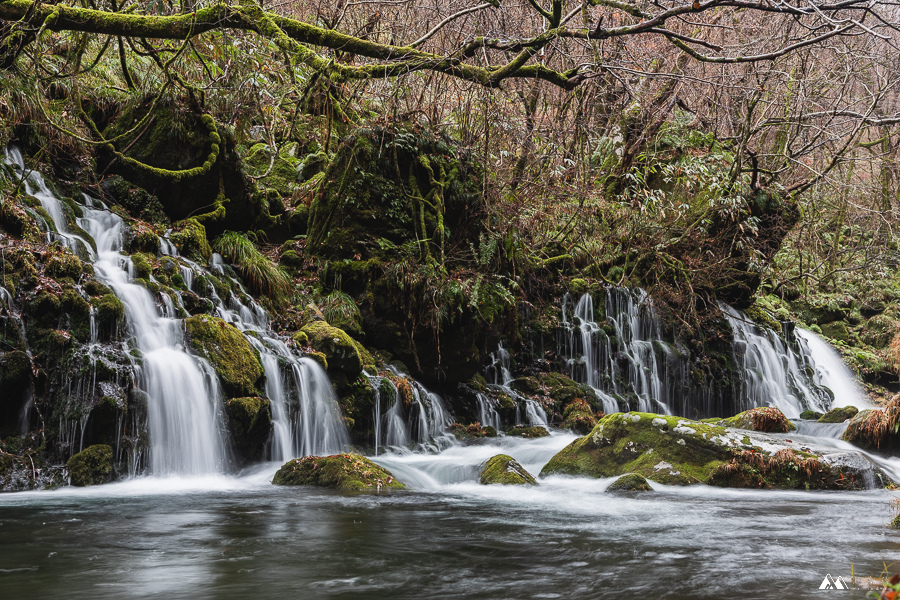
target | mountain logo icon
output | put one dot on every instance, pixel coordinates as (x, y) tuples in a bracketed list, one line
[(830, 583)]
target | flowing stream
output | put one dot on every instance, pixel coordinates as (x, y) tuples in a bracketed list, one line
[(189, 530)]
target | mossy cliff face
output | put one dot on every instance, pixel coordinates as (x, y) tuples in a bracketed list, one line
[(506, 470), (236, 362), (91, 466), (678, 451), (396, 219), (348, 472)]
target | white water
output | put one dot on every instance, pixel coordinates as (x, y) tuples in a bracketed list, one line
[(184, 398), (832, 373), (425, 427), (775, 374), (631, 371), (499, 377)]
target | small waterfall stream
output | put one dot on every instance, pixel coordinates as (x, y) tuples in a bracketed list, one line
[(499, 378)]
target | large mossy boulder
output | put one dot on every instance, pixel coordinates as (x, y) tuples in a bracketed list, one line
[(91, 466), (677, 451), (250, 423), (349, 472), (236, 362), (839, 415), (506, 470), (341, 352), (765, 418)]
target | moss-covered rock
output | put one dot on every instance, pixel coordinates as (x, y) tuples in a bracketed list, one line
[(810, 415), (191, 241), (839, 415), (250, 422), (506, 470), (342, 352), (91, 466), (527, 432), (765, 418), (110, 310), (837, 331), (349, 472), (578, 417), (632, 482), (678, 451), (877, 430), (236, 362)]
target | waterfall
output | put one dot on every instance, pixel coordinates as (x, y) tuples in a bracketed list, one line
[(183, 394), (628, 365), (831, 372), (772, 373), (413, 416), (184, 400), (499, 378)]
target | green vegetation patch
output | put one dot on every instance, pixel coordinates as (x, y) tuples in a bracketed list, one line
[(236, 362), (349, 472), (506, 470), (91, 466)]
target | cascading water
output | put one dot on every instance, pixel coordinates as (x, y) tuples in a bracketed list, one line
[(183, 392), (831, 372), (184, 401), (631, 366), (499, 377), (413, 416), (774, 373)]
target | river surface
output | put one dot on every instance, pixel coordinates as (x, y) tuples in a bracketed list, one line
[(241, 537)]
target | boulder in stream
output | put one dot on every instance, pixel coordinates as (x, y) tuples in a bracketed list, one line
[(632, 482), (877, 430), (678, 451), (839, 415), (91, 466), (506, 470), (349, 472)]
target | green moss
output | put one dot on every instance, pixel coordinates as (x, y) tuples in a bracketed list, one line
[(45, 307), (236, 362), (810, 415), (63, 265), (895, 523), (191, 241), (319, 357), (91, 466), (110, 310), (578, 417), (506, 470), (95, 288), (342, 352), (839, 415), (837, 331), (301, 339), (527, 432), (349, 472), (632, 482), (143, 268)]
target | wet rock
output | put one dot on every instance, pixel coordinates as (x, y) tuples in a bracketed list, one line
[(91, 466), (876, 429), (342, 352), (632, 482), (506, 470), (250, 423), (839, 415), (349, 472), (679, 451), (578, 417), (236, 362)]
